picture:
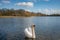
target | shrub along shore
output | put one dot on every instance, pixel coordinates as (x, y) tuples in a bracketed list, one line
[(21, 13)]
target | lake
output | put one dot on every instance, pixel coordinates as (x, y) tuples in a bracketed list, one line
[(47, 28)]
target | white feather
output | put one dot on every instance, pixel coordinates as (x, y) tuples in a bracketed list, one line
[(28, 32)]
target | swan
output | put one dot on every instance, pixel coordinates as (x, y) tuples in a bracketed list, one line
[(30, 32)]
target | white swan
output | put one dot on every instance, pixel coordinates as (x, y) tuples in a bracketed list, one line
[(30, 32)]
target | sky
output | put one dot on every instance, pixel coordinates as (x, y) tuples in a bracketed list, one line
[(43, 6)]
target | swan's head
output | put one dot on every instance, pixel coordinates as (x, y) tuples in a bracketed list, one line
[(33, 25)]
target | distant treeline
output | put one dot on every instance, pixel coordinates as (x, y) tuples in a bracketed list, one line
[(21, 12)]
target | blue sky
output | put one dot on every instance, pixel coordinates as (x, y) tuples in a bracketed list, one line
[(44, 6)]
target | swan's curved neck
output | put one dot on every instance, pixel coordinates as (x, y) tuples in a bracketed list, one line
[(33, 32)]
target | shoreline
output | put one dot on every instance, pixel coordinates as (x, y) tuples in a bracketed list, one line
[(25, 16), (13, 16), (8, 16)]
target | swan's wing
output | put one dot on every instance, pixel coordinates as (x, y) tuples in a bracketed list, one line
[(30, 30), (27, 33)]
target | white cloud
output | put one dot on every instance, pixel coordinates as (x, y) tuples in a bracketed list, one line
[(27, 4), (38, 0), (27, 10), (33, 0), (49, 11), (5, 1)]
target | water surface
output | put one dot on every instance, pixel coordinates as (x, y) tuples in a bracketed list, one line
[(47, 28)]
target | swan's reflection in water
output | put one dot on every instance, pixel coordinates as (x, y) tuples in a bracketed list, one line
[(29, 39)]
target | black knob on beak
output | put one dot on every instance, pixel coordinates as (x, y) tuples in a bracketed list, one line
[(33, 25)]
